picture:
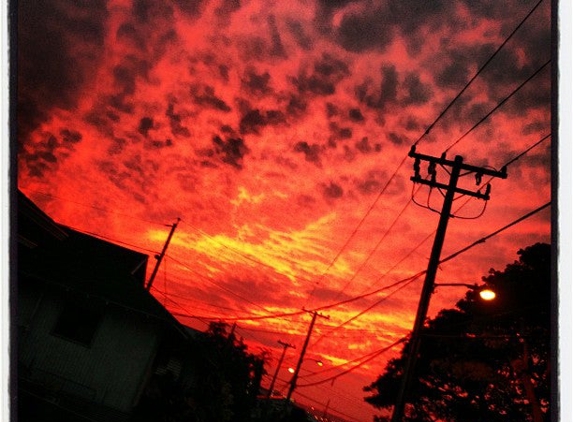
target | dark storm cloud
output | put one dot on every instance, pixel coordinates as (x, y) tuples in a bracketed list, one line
[(126, 73), (49, 74), (454, 75), (365, 147), (231, 151), (224, 72), (374, 28), (331, 110), (355, 115), (254, 83), (264, 46), (226, 9), (417, 92), (332, 5), (397, 139), (254, 120), (127, 34), (311, 152), (332, 191), (386, 92), (44, 157), (102, 116), (70, 136), (329, 66), (145, 124), (277, 48), (125, 81), (192, 8), (177, 129), (297, 30), (375, 180), (535, 95), (534, 127), (117, 146), (51, 150), (358, 33), (490, 9), (296, 106), (147, 10), (389, 84), (204, 95), (326, 73), (134, 175), (339, 133)]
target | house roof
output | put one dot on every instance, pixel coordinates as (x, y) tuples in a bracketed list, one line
[(78, 262)]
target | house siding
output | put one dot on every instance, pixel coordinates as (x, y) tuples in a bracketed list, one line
[(108, 372)]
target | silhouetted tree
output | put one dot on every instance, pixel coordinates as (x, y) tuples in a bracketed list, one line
[(219, 381), (483, 361), (242, 370)]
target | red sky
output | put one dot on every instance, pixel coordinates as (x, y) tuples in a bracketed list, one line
[(279, 132)]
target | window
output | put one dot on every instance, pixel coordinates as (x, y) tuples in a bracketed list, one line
[(77, 323)]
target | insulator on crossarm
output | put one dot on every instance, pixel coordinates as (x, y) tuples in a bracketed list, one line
[(432, 168), (417, 167)]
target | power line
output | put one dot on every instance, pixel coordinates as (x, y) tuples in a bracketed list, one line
[(479, 71), (517, 157), (484, 118), (364, 362), (409, 279), (448, 258), (49, 195), (426, 132), (119, 242), (347, 242), (363, 264), (216, 284), (430, 235), (240, 253)]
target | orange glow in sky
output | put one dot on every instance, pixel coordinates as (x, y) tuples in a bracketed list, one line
[(279, 132)]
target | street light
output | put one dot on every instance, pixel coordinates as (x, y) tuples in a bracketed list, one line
[(317, 361), (415, 338), (484, 292)]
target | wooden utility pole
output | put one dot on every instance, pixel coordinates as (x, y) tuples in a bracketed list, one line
[(162, 254), (302, 352), (285, 347), (451, 188)]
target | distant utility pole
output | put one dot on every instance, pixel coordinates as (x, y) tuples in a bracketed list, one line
[(162, 254), (302, 352), (456, 168), (285, 347)]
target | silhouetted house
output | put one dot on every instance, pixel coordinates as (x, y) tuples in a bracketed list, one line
[(90, 336)]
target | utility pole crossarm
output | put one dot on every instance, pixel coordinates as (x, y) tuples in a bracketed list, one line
[(456, 165), (463, 167), (418, 179)]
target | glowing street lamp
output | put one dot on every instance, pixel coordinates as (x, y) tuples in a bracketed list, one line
[(485, 293)]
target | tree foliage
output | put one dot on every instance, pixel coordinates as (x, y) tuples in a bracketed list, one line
[(483, 361), (219, 381)]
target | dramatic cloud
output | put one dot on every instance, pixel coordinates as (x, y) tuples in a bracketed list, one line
[(279, 132)]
